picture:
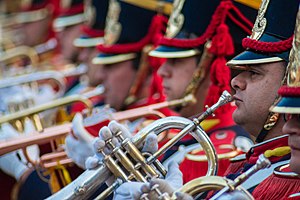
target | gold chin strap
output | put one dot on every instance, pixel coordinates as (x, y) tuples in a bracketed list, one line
[(140, 77), (269, 124), (272, 117), (201, 71), (251, 3), (155, 5)]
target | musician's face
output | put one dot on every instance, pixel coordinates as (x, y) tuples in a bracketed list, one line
[(117, 80), (94, 72), (255, 91), (35, 33), (177, 74), (65, 39), (292, 127)]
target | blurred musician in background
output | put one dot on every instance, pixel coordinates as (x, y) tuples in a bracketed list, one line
[(125, 69), (92, 33), (67, 27)]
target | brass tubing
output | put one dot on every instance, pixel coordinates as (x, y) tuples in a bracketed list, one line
[(171, 142), (86, 180), (133, 151), (35, 77), (63, 161), (19, 143), (129, 165), (192, 127), (115, 168), (19, 51), (46, 106), (151, 109), (156, 128), (36, 138)]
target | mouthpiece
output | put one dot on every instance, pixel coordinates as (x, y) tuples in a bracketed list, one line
[(224, 99)]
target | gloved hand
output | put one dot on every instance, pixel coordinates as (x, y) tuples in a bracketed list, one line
[(15, 163), (46, 94), (134, 190), (33, 151), (7, 95), (81, 147), (109, 132)]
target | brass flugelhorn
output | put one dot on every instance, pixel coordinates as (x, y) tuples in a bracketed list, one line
[(62, 130), (33, 54), (46, 106), (33, 78), (127, 163), (9, 55), (32, 114)]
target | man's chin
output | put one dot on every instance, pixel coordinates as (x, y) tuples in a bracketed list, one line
[(108, 101), (237, 117), (171, 97)]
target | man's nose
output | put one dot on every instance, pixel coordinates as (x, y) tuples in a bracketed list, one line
[(163, 70), (238, 82), (291, 127), (83, 55)]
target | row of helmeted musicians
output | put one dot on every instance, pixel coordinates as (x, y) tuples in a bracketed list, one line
[(145, 52)]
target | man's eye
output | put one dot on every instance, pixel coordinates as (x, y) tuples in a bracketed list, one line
[(288, 117), (174, 61), (253, 72), (297, 117), (170, 61)]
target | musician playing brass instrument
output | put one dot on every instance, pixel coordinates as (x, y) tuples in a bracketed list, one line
[(195, 65), (125, 68), (34, 22), (181, 82), (261, 72), (34, 19), (91, 34), (199, 87)]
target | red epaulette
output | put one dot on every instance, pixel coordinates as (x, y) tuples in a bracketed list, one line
[(282, 184)]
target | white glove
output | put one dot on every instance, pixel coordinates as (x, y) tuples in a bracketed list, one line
[(7, 95), (109, 132), (81, 147), (150, 145), (134, 190), (14, 163), (46, 94), (33, 151)]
